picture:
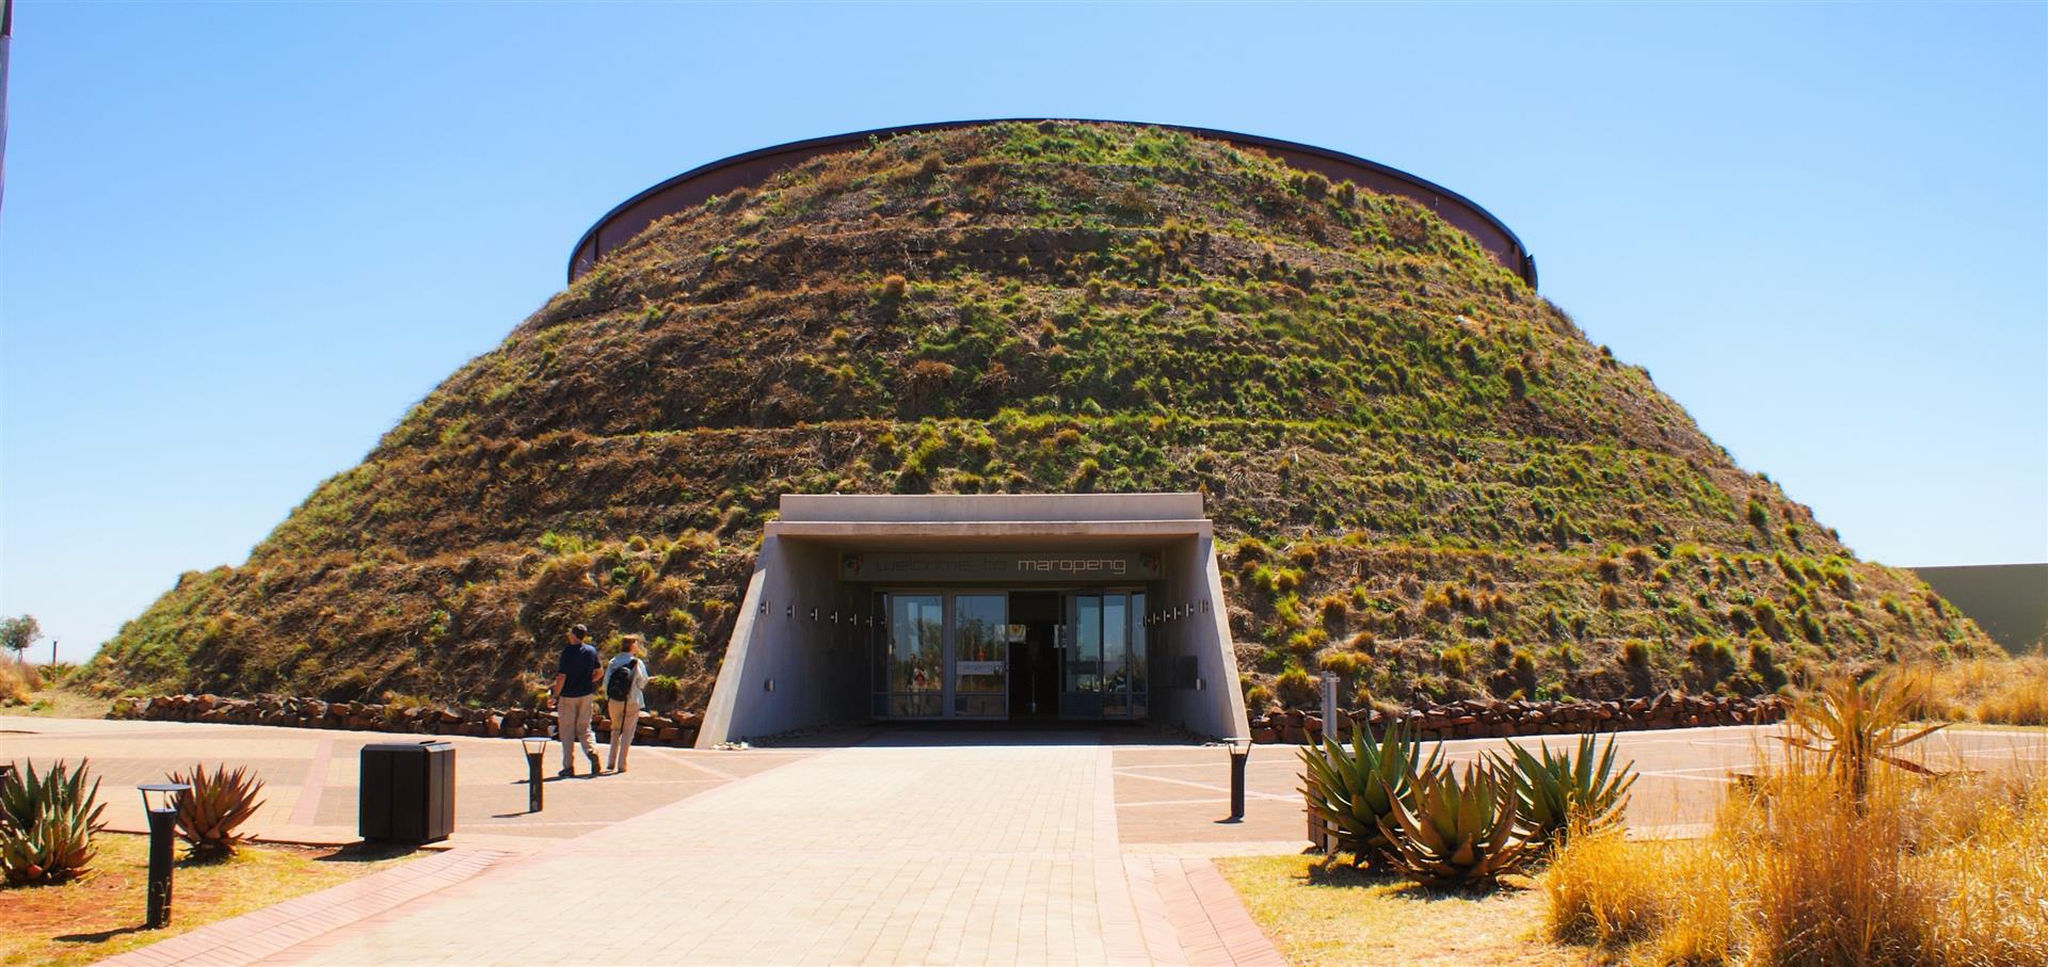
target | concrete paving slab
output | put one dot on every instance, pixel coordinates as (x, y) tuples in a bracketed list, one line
[(311, 777)]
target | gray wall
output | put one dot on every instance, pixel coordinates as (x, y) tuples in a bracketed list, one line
[(1217, 708), (2008, 601), (799, 654)]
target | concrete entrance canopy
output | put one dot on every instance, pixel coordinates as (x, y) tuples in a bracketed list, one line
[(803, 648)]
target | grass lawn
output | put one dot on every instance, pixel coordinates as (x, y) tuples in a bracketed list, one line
[(1344, 916), (101, 914)]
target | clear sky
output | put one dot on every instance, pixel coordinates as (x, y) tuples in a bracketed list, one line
[(240, 239)]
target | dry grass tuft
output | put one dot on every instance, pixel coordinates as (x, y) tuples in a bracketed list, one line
[(1949, 873), (2006, 691), (18, 683), (1827, 873), (1598, 893)]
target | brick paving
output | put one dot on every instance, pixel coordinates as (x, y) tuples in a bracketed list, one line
[(311, 776), (909, 849), (252, 936)]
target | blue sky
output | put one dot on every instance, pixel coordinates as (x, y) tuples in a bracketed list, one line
[(239, 240)]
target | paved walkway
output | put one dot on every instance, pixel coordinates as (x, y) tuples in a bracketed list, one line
[(996, 849), (310, 776), (911, 847)]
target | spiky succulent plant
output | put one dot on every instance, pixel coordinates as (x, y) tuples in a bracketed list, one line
[(216, 806), (47, 823), (1557, 794), (1453, 832), (1855, 725), (1353, 790)]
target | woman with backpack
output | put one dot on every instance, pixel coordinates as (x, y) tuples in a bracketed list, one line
[(624, 677)]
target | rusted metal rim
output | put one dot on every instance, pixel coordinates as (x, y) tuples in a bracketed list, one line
[(632, 216)]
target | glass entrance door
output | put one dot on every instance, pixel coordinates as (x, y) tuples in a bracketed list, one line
[(910, 657), (1103, 668), (981, 656)]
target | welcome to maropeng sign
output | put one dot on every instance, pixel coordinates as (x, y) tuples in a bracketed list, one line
[(1039, 566)]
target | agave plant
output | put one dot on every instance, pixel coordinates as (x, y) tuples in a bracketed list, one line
[(1560, 793), (1353, 790), (1857, 724), (216, 806), (47, 824), (1457, 832)]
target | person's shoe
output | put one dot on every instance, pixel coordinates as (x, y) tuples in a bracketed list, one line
[(566, 774), (596, 768)]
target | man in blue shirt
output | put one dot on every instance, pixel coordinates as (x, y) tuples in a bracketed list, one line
[(574, 692)]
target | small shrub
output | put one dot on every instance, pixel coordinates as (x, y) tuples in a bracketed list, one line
[(1456, 832), (1346, 663), (1353, 790), (47, 824), (1759, 515), (1295, 688), (1857, 725), (217, 805), (1635, 653), (18, 683), (892, 287), (1518, 382), (1764, 662), (1569, 794), (661, 692)]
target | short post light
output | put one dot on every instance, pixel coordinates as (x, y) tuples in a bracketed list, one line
[(1240, 752), (160, 801), (536, 747)]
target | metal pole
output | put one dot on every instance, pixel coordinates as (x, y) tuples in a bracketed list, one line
[(533, 781), (160, 824), (1330, 729), (1237, 761)]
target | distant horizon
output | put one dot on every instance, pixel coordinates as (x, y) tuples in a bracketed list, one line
[(240, 241)]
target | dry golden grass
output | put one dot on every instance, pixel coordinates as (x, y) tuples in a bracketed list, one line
[(1343, 916), (1946, 873), (52, 701), (2003, 691), (18, 683), (101, 915), (1595, 896)]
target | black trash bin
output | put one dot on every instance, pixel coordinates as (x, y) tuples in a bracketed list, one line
[(408, 792)]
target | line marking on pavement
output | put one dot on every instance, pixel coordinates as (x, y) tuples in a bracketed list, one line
[(308, 806), (1249, 793), (516, 824), (1722, 780), (700, 767), (2013, 752), (1134, 769)]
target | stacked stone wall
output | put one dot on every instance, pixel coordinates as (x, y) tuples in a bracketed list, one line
[(654, 728), (1479, 719)]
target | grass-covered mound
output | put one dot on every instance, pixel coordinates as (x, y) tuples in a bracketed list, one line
[(1431, 478)]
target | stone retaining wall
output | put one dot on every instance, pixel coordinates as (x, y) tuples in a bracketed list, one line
[(1458, 720), (1475, 719), (667, 728)]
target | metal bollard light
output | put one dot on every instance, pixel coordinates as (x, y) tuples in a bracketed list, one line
[(536, 747), (1240, 752), (160, 801)]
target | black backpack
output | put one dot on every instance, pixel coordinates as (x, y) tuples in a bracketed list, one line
[(618, 686)]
